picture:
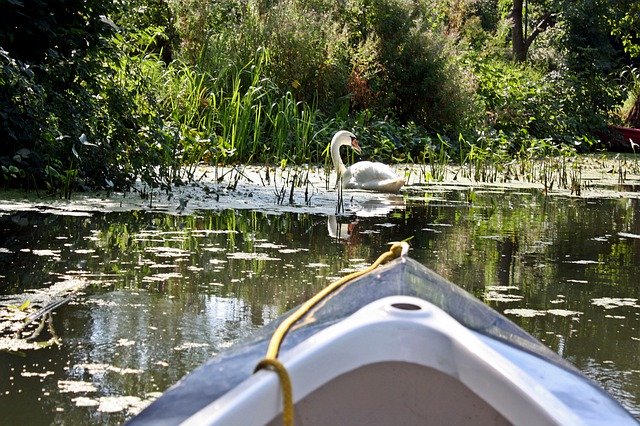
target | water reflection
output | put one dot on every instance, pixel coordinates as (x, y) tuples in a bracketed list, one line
[(340, 229), (163, 293)]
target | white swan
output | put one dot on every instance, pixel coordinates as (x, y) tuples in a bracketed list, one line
[(364, 174)]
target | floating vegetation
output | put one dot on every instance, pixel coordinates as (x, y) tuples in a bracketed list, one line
[(264, 245), (530, 313), (495, 293), (525, 313), (386, 225), (12, 344), (318, 265), (47, 253), (76, 386), (214, 249), (613, 302), (501, 287), (291, 251), (563, 312), (115, 404), (24, 317), (251, 256), (167, 251), (162, 277), (369, 231), (105, 404), (628, 235), (98, 368), (190, 345), (83, 401), (583, 262), (34, 374), (495, 296)]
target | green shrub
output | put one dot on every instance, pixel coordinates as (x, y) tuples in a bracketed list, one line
[(557, 105)]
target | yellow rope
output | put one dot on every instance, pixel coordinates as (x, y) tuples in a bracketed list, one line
[(285, 383), (270, 360)]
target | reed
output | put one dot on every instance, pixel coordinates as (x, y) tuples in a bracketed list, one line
[(237, 116), (434, 159)]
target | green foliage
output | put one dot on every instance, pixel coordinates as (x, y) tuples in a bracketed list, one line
[(48, 85), (557, 105), (587, 36), (222, 120), (22, 102), (420, 82), (48, 31), (101, 94), (630, 109), (149, 27), (75, 107), (625, 24)]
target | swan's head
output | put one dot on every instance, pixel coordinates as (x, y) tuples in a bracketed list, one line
[(345, 137)]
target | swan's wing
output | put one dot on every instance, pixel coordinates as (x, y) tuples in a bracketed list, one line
[(372, 176), (366, 171)]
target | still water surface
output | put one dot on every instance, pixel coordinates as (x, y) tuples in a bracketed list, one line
[(162, 293)]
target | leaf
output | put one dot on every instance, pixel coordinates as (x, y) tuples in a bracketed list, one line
[(84, 141), (25, 305)]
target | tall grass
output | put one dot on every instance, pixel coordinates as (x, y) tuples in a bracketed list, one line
[(237, 116)]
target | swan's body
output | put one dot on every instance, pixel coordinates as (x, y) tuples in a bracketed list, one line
[(372, 176)]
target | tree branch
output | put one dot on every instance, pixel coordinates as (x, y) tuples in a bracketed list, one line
[(545, 22)]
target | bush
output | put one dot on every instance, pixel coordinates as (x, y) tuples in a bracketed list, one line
[(376, 55), (75, 111), (415, 72), (557, 105), (47, 89)]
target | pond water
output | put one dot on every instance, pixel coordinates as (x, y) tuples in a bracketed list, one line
[(145, 297)]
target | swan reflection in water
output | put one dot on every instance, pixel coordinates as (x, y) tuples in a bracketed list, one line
[(342, 227), (338, 230)]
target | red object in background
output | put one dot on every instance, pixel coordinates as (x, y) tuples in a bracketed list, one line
[(624, 139)]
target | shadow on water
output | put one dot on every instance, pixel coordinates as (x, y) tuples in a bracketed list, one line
[(155, 295)]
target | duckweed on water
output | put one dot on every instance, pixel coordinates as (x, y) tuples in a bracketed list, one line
[(530, 313), (613, 302)]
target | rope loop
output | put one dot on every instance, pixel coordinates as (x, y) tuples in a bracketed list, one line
[(285, 382)]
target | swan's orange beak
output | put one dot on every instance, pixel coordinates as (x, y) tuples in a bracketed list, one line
[(355, 146)]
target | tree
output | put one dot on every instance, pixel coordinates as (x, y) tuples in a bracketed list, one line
[(74, 110), (521, 40)]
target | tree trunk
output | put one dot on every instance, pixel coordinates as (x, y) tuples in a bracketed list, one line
[(519, 45)]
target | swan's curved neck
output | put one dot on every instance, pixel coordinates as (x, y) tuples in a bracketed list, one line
[(337, 160)]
